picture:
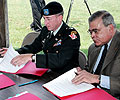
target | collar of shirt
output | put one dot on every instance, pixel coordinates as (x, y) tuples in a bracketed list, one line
[(55, 32), (109, 43)]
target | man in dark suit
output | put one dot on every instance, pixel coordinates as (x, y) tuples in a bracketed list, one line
[(36, 6), (59, 42), (105, 72)]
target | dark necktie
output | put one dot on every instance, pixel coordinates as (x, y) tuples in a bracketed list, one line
[(51, 35), (99, 67)]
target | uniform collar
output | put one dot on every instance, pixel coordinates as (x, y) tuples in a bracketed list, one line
[(55, 32)]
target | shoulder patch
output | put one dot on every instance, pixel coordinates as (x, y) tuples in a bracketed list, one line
[(73, 36), (73, 32)]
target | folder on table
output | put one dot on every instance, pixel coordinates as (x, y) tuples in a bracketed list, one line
[(93, 94), (29, 68), (5, 81), (63, 88), (24, 96)]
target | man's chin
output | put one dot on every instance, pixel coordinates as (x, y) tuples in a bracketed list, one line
[(97, 45), (49, 28)]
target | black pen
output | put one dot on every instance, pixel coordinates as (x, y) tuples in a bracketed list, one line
[(76, 73)]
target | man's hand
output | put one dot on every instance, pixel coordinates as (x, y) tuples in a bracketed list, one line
[(84, 76), (3, 51), (21, 59)]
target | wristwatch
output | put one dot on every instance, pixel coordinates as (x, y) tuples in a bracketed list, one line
[(33, 58), (99, 79)]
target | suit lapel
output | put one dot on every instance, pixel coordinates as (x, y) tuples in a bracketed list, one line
[(114, 47), (47, 40), (93, 57)]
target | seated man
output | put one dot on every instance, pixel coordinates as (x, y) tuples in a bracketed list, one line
[(103, 55), (59, 42)]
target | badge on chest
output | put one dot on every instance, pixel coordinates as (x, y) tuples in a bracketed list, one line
[(58, 43)]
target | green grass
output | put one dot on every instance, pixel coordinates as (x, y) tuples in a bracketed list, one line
[(20, 18)]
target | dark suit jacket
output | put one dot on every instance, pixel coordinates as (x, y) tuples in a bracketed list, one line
[(111, 66), (60, 52)]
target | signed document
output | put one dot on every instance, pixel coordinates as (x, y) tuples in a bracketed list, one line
[(5, 64), (62, 85)]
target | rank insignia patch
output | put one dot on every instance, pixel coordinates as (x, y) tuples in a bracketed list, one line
[(58, 43), (73, 36)]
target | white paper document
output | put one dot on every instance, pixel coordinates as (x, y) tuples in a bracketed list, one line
[(5, 64), (62, 85)]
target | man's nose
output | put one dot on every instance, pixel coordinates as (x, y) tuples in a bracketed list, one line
[(93, 34)]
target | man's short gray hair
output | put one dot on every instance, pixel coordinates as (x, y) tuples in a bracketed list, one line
[(106, 17)]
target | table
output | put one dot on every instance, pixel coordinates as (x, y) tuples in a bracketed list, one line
[(34, 88)]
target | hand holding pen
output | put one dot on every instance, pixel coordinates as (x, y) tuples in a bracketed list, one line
[(75, 79), (84, 76)]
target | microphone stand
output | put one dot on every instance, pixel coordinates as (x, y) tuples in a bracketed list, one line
[(70, 7), (85, 1)]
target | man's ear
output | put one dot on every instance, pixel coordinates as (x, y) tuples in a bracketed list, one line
[(60, 17), (111, 28)]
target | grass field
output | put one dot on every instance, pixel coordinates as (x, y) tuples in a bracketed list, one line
[(20, 18)]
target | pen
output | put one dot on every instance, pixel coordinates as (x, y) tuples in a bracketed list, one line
[(28, 83), (76, 73)]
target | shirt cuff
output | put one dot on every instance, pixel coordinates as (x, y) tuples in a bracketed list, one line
[(105, 81)]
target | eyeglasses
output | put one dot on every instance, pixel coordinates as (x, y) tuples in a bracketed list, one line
[(93, 30)]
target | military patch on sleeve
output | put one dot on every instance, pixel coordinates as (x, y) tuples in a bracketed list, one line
[(73, 32), (72, 35)]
